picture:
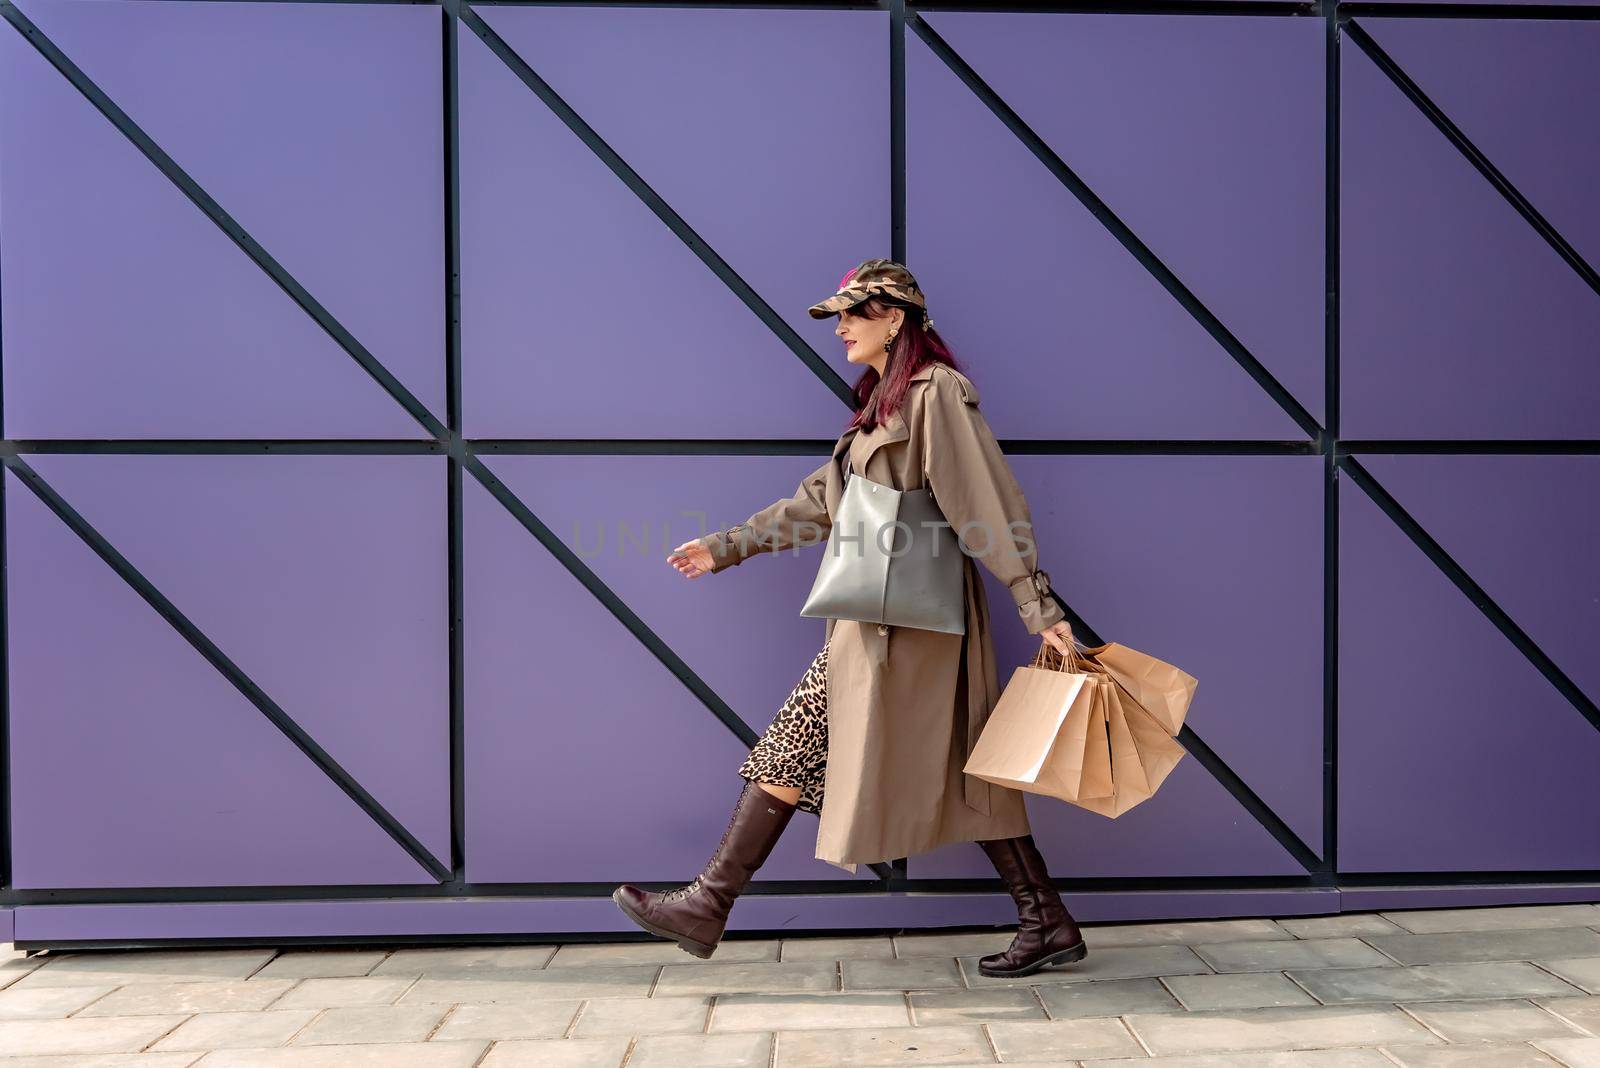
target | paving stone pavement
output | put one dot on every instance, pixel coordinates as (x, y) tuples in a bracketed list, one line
[(1429, 988)]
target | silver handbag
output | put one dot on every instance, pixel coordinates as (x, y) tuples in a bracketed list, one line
[(892, 558)]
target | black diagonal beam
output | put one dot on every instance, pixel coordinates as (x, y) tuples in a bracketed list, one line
[(225, 222), (1475, 593), (1333, 416), (1219, 769), (1119, 229), (1474, 155), (619, 608), (897, 217), (228, 669), (455, 539), (651, 199), (447, 437)]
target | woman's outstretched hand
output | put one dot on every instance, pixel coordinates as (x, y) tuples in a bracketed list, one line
[(1059, 635), (691, 558)]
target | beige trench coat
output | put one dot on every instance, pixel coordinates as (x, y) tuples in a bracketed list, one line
[(905, 705)]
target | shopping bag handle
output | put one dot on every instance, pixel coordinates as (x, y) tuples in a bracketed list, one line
[(1050, 658)]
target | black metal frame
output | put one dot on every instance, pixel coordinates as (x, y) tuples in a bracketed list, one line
[(463, 455)]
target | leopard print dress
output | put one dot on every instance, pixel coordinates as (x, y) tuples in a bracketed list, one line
[(794, 749)]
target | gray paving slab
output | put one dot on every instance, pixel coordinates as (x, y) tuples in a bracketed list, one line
[(1278, 954), (235, 1030), (1089, 1036), (372, 1023), (389, 1055), (874, 1047), (1494, 918), (543, 1018), (155, 999), (1241, 990), (1431, 982), (1581, 972), (585, 955), (125, 1034), (768, 977), (1106, 997), (514, 984), (915, 973), (1572, 1052), (1583, 1012), (120, 967), (1284, 1027), (1476, 1055), (1118, 962), (668, 1014), (803, 1011), (48, 1002), (321, 963), (870, 948), (1455, 947), (1344, 925), (1035, 1064), (15, 965), (751, 1049), (1182, 932), (1229, 994), (976, 943), (1507, 1021), (334, 992), (571, 1053), (1302, 1058), (413, 961), (975, 1006), (104, 1060)]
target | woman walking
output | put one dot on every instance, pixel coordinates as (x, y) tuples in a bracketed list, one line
[(874, 737)]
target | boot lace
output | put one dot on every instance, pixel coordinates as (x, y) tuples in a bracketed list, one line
[(683, 891), (694, 885)]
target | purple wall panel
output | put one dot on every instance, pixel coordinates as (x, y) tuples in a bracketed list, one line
[(134, 762), (621, 515), (1456, 318), (1514, 87), (127, 314), (568, 278), (340, 178), (586, 758), (322, 577), (134, 315), (1533, 550), (1213, 564), (1221, 178), (1455, 754), (739, 130), (1083, 342)]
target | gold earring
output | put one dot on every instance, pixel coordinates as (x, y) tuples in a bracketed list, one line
[(888, 345)]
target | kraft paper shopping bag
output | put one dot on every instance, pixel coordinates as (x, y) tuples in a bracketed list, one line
[(1046, 735)]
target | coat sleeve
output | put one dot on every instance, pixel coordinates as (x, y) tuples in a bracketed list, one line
[(794, 521), (980, 497)]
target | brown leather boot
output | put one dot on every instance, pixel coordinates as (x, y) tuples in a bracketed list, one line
[(1046, 931), (694, 915)]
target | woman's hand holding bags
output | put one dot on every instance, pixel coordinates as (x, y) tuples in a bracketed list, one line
[(1094, 727)]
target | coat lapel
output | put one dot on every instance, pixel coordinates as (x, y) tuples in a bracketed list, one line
[(895, 428)]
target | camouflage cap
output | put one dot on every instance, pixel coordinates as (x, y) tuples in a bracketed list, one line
[(872, 278)]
